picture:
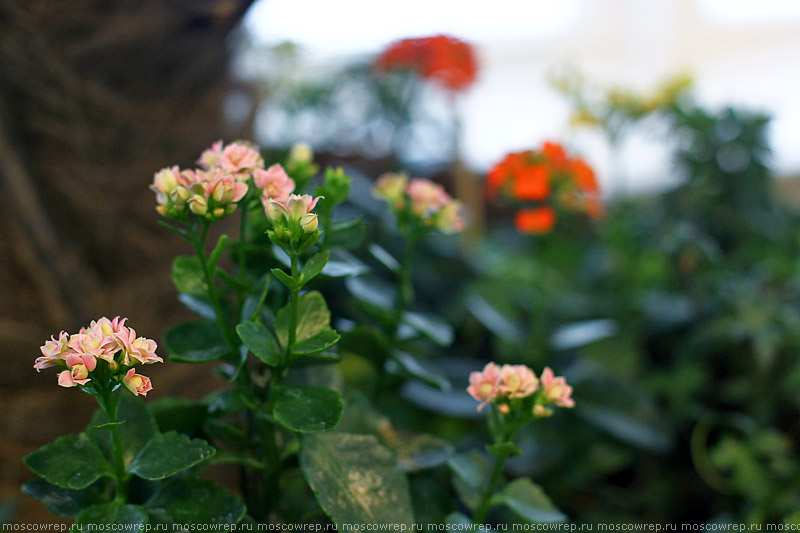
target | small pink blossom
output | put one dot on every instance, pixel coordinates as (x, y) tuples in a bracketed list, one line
[(426, 196), (483, 385), (93, 342), (77, 375), (215, 196), (517, 381), (450, 219), (274, 183), (240, 159), (136, 350), (210, 157), (297, 209), (556, 389), (137, 383), (53, 351)]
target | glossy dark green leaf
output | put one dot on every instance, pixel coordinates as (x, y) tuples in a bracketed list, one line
[(216, 254), (261, 342), (188, 276), (312, 318), (198, 304), (384, 257), (166, 454), (344, 269), (190, 501), (372, 291), (473, 468), (319, 342), (529, 502), (108, 514), (356, 480), (139, 427), (71, 462), (308, 409), (195, 342), (66, 502), (314, 266), (418, 370)]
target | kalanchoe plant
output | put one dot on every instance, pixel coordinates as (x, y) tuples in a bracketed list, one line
[(90, 476), (516, 397)]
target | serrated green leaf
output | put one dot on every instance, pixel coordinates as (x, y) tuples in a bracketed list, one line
[(308, 409), (195, 342), (191, 501), (529, 502), (312, 317), (139, 427), (314, 266), (284, 278), (112, 513), (188, 275), (319, 342), (70, 462), (166, 454), (356, 480), (261, 342), (66, 502)]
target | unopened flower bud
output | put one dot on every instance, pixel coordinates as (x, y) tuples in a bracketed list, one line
[(309, 223), (198, 205), (301, 153)]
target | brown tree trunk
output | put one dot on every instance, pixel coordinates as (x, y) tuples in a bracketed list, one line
[(95, 96)]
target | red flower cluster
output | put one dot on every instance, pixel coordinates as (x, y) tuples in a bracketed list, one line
[(446, 60), (545, 177)]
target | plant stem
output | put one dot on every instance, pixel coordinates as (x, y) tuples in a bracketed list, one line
[(242, 259), (405, 290), (294, 294), (110, 404), (485, 505), (198, 242)]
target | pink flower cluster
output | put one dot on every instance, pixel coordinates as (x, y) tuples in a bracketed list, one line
[(426, 200), (500, 384), (105, 340)]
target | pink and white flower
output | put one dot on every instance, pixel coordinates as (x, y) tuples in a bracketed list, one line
[(517, 381), (137, 383), (483, 385), (556, 389), (53, 351), (426, 196), (210, 157), (274, 183), (297, 210), (392, 188), (450, 219), (240, 159)]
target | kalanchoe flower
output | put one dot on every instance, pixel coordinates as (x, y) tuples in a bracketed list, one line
[(215, 195), (274, 183), (517, 381), (210, 157), (105, 342), (483, 384), (422, 202), (240, 159), (294, 226), (137, 383), (556, 389)]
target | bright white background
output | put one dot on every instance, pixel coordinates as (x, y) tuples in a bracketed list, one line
[(744, 52)]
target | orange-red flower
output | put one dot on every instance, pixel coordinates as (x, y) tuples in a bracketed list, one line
[(444, 59), (544, 181), (537, 220)]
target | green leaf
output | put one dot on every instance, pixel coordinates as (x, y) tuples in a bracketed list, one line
[(416, 369), (344, 269), (112, 513), (319, 342), (355, 480), (284, 278), (384, 257), (109, 425), (139, 427), (191, 501), (314, 266), (315, 359), (529, 502), (216, 254), (66, 502), (178, 414), (312, 317), (308, 409), (430, 326), (188, 275), (166, 454), (195, 342), (261, 342), (71, 462), (459, 519), (197, 304), (473, 468), (346, 234)]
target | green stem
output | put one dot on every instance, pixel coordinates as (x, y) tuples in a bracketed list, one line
[(242, 259), (199, 241), (482, 511), (110, 404), (293, 308), (405, 290)]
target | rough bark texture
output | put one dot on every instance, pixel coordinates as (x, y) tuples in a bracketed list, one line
[(94, 97)]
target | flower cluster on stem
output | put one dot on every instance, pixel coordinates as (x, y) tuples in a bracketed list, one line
[(420, 203)]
